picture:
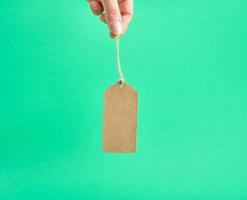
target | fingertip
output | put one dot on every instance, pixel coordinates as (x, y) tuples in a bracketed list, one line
[(116, 27), (112, 35)]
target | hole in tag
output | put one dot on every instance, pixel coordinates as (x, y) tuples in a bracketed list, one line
[(121, 84)]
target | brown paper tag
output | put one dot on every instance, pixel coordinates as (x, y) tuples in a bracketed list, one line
[(120, 119)]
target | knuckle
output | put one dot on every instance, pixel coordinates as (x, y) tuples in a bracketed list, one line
[(112, 13)]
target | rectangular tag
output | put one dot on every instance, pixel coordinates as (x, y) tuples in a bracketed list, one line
[(120, 118)]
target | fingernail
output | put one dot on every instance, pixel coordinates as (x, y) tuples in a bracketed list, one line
[(94, 5), (116, 27)]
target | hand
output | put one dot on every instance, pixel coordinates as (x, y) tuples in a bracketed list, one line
[(115, 13)]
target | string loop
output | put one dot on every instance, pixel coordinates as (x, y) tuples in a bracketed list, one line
[(118, 62)]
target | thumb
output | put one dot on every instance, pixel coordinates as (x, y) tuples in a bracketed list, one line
[(113, 16)]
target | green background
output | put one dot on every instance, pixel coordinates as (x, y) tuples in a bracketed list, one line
[(187, 60)]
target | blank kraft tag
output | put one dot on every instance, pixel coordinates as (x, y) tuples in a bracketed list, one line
[(120, 119)]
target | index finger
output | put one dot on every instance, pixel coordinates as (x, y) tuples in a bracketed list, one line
[(113, 16)]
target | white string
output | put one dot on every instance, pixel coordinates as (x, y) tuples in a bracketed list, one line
[(118, 61)]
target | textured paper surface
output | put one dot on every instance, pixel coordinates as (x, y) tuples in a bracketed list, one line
[(120, 119)]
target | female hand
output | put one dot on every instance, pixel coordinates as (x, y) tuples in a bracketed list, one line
[(115, 13)]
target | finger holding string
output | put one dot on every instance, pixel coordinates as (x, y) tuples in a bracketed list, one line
[(112, 16), (126, 12)]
